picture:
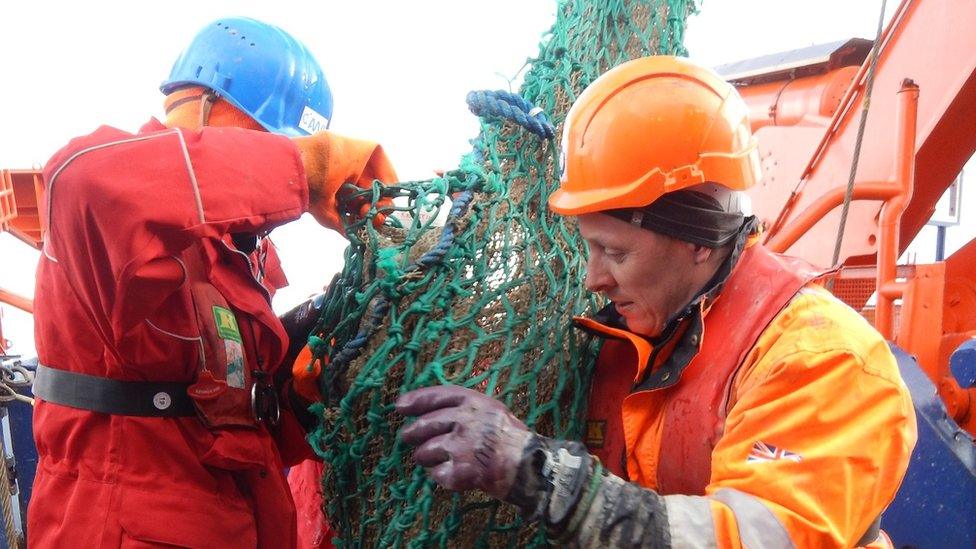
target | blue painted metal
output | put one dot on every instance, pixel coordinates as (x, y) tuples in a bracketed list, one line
[(22, 436), (936, 505), (940, 238), (18, 439), (962, 363)]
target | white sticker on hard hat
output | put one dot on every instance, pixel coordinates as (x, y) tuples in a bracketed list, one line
[(312, 121)]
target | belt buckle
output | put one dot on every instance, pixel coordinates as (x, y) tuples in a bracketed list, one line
[(264, 401)]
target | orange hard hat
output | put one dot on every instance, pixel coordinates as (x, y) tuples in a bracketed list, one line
[(652, 126)]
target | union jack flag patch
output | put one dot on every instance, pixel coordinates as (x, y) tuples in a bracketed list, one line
[(767, 452)]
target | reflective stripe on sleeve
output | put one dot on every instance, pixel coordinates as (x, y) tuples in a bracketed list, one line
[(690, 522), (758, 526)]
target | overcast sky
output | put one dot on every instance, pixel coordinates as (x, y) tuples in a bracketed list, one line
[(399, 73)]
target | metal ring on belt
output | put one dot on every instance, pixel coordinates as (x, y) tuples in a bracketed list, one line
[(264, 403)]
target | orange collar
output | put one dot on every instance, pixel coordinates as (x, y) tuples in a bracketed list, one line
[(185, 108)]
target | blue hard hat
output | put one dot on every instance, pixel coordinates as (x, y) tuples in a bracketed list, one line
[(260, 69)]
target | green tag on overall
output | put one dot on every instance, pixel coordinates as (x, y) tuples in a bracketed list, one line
[(226, 324), (233, 350)]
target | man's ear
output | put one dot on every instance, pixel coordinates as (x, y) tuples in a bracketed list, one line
[(701, 254)]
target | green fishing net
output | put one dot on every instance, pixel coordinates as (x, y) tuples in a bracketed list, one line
[(470, 281)]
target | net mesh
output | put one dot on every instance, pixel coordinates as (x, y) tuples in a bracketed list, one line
[(471, 281)]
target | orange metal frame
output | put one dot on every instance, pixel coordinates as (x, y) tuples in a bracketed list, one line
[(895, 196), (21, 194), (914, 146), (888, 288), (805, 161)]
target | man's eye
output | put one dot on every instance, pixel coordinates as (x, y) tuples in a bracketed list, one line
[(614, 254)]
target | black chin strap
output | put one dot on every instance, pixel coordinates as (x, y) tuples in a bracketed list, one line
[(207, 100), (180, 102), (714, 286)]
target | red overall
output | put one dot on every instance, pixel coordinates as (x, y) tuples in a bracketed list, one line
[(114, 301)]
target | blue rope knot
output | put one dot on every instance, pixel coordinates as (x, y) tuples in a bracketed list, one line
[(352, 349), (511, 106)]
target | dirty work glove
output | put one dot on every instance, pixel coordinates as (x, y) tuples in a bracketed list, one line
[(297, 365), (332, 160), (470, 440)]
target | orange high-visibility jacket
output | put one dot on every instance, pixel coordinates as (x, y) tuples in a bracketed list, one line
[(779, 420)]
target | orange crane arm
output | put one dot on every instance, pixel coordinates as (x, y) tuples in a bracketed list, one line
[(926, 41)]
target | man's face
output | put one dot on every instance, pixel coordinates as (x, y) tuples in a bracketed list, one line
[(648, 276)]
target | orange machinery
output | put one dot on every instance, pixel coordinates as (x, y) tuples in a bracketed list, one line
[(919, 130), (21, 193)]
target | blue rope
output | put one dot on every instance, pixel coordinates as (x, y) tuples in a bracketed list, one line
[(354, 347), (513, 107), (437, 253)]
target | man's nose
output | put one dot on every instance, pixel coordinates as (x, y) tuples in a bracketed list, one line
[(598, 279)]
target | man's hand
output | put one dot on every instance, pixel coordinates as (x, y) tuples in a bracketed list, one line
[(299, 323), (332, 160), (468, 439)]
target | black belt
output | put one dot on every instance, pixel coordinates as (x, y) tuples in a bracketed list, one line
[(111, 396)]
